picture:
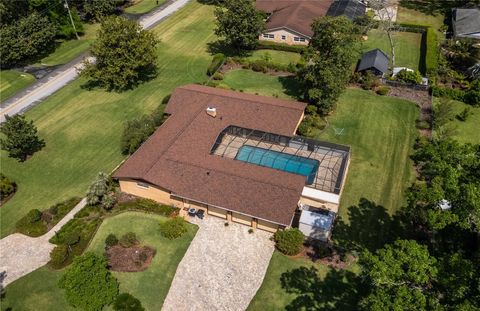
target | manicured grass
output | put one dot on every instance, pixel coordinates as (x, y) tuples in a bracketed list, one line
[(82, 129), (150, 286), (407, 47), (380, 130), (273, 296), (410, 16), (67, 50), (258, 83), (12, 81), (279, 57), (37, 291), (143, 6), (467, 131)]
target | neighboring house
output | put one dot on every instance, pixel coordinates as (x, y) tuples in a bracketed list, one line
[(234, 155), (466, 23), (289, 21), (375, 61)]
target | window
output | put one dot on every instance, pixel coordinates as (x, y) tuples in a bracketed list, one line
[(284, 37), (302, 39), (143, 185), (271, 36), (296, 39), (265, 35)]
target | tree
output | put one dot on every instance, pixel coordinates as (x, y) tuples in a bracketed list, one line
[(25, 39), (88, 284), (126, 302), (329, 59), (21, 138), (386, 11), (98, 189), (125, 55), (10, 11), (399, 276), (239, 24), (97, 9)]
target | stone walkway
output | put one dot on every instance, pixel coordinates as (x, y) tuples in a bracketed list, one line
[(222, 269), (20, 254)]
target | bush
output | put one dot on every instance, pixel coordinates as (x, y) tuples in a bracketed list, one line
[(369, 81), (108, 201), (281, 47), (7, 186), (88, 284), (259, 66), (126, 302), (250, 231), (463, 116), (173, 228), (58, 255), (111, 240), (34, 215), (217, 76), (422, 125), (129, 239), (310, 125), (450, 93), (408, 76), (290, 241), (472, 98), (431, 52), (383, 90), (217, 61), (72, 238), (147, 205), (98, 189)]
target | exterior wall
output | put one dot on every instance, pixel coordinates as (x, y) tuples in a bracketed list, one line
[(289, 37), (152, 192), (193, 204), (267, 226), (325, 205), (242, 219), (217, 212)]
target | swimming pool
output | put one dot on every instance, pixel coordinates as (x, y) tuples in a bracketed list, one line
[(280, 161)]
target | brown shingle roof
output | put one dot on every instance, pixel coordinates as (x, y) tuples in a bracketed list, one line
[(177, 156), (296, 15)]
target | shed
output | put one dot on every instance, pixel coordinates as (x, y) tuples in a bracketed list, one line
[(375, 61), (316, 224), (466, 23)]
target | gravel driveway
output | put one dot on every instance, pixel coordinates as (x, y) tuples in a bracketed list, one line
[(222, 269)]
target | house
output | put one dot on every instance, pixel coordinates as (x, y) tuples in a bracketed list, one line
[(289, 21), (235, 156), (466, 23), (375, 61)]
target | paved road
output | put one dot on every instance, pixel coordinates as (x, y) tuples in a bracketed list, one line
[(65, 74), (21, 254)]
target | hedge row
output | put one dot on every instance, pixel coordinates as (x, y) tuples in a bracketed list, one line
[(217, 61), (281, 47), (471, 97)]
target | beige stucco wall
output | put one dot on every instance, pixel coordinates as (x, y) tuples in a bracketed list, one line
[(152, 192), (267, 226), (325, 205), (241, 219), (288, 40), (217, 212)]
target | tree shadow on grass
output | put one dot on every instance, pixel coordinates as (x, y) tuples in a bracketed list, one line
[(339, 290), (370, 227), (220, 46), (145, 74), (292, 87)]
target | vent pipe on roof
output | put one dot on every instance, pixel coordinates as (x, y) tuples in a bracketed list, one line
[(211, 111)]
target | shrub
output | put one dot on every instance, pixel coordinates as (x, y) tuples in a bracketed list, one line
[(281, 47), (58, 255), (422, 125), (408, 76), (126, 302), (173, 228), (217, 76), (129, 239), (250, 231), (383, 90), (89, 273), (98, 189), (226, 224), (34, 215), (290, 241), (147, 205), (472, 97), (431, 52), (310, 124), (108, 201), (448, 93), (72, 238), (111, 240), (369, 81), (7, 186), (259, 65), (217, 61), (463, 116)]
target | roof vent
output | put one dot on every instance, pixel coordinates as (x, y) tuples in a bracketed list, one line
[(211, 111)]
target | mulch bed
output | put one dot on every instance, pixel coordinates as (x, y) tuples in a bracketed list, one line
[(325, 254), (233, 66), (130, 259)]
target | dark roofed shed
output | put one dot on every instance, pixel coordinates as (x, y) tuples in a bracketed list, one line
[(375, 60)]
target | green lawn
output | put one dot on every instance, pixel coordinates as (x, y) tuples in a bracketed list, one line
[(279, 57), (150, 286), (380, 130), (258, 83), (329, 284), (467, 131), (82, 129), (12, 82), (407, 47), (143, 6), (410, 16), (67, 50)]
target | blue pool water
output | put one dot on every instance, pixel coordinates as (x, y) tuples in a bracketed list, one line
[(280, 161)]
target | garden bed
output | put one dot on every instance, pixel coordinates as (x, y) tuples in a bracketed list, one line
[(129, 259)]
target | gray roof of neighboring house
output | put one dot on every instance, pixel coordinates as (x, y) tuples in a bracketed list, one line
[(466, 22), (349, 8), (374, 59)]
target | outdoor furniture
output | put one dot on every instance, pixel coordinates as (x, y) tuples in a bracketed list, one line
[(200, 213), (192, 211)]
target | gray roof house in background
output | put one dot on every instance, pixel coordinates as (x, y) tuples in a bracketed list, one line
[(349, 8), (375, 60), (466, 23)]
